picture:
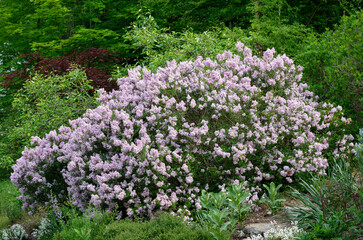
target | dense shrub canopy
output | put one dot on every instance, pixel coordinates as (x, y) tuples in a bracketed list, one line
[(334, 64), (162, 137)]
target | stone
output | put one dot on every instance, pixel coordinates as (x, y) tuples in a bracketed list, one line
[(241, 233), (257, 228)]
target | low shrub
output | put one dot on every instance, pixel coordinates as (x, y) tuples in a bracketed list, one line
[(332, 227), (48, 226), (97, 63), (165, 226), (13, 210), (160, 139), (75, 225), (15, 232)]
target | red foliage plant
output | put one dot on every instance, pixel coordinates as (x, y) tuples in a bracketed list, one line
[(97, 63)]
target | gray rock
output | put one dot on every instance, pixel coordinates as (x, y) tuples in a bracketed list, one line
[(257, 228), (241, 233)]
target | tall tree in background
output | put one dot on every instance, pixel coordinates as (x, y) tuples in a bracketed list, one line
[(54, 27), (275, 25), (200, 15)]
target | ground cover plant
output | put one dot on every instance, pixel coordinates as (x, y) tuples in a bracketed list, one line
[(279, 233), (164, 226), (15, 232), (162, 137)]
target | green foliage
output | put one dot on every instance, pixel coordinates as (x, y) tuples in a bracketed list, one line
[(15, 232), (321, 14), (333, 227), (332, 205), (158, 45), (10, 206), (200, 15), (237, 197), (75, 225), (223, 210), (333, 66), (81, 39), (44, 103), (312, 205), (215, 213), (46, 228), (270, 29), (58, 26), (272, 199), (165, 226), (351, 6), (6, 162), (13, 210), (4, 222), (344, 185), (274, 26)]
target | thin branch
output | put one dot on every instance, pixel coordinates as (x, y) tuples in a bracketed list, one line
[(313, 14)]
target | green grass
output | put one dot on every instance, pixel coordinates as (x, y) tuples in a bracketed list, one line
[(10, 207), (8, 193), (4, 222)]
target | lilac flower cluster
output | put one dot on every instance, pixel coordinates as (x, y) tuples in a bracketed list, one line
[(163, 137)]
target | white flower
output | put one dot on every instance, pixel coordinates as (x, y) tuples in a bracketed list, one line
[(287, 233), (15, 232)]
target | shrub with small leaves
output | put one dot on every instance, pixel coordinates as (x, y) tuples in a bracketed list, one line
[(82, 226), (164, 136), (163, 226)]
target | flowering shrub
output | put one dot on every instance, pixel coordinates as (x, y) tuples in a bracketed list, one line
[(161, 138), (359, 146)]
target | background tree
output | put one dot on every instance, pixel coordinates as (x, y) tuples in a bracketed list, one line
[(333, 67)]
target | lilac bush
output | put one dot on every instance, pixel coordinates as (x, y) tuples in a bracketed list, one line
[(163, 137)]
